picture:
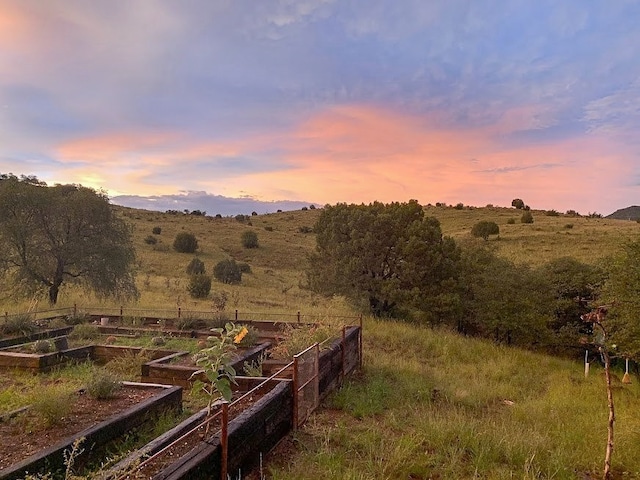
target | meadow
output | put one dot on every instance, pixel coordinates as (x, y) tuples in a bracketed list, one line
[(429, 404)]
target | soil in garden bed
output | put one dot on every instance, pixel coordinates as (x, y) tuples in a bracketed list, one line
[(24, 435)]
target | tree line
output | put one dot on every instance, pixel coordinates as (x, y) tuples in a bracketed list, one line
[(394, 261)]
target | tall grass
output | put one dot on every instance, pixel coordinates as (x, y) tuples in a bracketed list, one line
[(431, 404)]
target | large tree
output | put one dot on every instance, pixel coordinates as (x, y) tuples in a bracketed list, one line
[(388, 255), (50, 236)]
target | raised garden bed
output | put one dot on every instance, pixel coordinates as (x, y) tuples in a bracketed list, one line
[(39, 363), (253, 429), (134, 405), (178, 368), (39, 335)]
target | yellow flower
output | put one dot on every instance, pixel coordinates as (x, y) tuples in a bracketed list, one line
[(243, 333)]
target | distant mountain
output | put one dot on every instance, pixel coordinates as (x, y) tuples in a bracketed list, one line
[(206, 202), (629, 213)]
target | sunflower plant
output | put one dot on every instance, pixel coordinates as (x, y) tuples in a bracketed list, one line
[(215, 362)]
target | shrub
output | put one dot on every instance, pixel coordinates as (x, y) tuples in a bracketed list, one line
[(52, 404), (103, 385), (253, 214), (150, 240), (527, 217), (189, 322), (227, 271), (298, 338), (77, 318), (185, 242), (199, 285), (19, 325), (156, 230), (42, 346), (218, 215), (250, 338), (459, 206), (305, 229), (511, 221), (158, 341), (269, 228), (84, 331), (552, 213), (195, 267), (569, 226), (244, 267), (242, 218), (312, 207), (219, 300), (250, 239), (484, 228)]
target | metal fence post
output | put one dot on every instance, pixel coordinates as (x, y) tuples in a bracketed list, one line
[(298, 316), (295, 393), (224, 440), (360, 345)]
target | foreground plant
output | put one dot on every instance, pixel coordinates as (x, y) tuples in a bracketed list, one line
[(215, 362)]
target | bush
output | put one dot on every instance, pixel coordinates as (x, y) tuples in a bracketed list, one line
[(511, 221), (84, 331), (305, 229), (52, 404), (195, 267), (227, 271), (527, 217), (185, 243), (156, 230), (269, 228), (199, 285), (158, 341), (42, 346), (242, 218), (77, 318), (484, 228), (150, 240), (552, 213), (19, 325), (244, 267), (459, 206), (569, 226), (312, 207), (190, 322), (250, 239), (103, 385)]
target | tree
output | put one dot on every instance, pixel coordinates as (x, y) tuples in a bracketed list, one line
[(199, 285), (195, 267), (484, 228), (250, 239), (389, 256), (185, 243), (518, 203), (622, 292), (50, 236), (227, 271)]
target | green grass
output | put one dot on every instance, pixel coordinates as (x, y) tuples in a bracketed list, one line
[(431, 404)]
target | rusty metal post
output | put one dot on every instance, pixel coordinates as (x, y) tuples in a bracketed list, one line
[(236, 314), (179, 312), (121, 311), (224, 441), (295, 393), (342, 353), (75, 309), (360, 351), (298, 316)]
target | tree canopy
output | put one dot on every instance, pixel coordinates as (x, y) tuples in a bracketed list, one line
[(50, 236), (388, 255)]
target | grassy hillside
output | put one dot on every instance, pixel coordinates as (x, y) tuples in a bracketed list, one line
[(429, 404)]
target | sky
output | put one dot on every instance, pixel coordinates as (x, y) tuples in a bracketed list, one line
[(206, 104)]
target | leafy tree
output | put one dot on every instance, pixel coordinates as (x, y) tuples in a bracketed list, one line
[(484, 228), (503, 301), (526, 217), (50, 236), (185, 242), (389, 256), (199, 285), (195, 267), (622, 292), (227, 271), (250, 239), (518, 203)]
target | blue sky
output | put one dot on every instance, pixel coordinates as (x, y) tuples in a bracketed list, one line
[(326, 101)]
